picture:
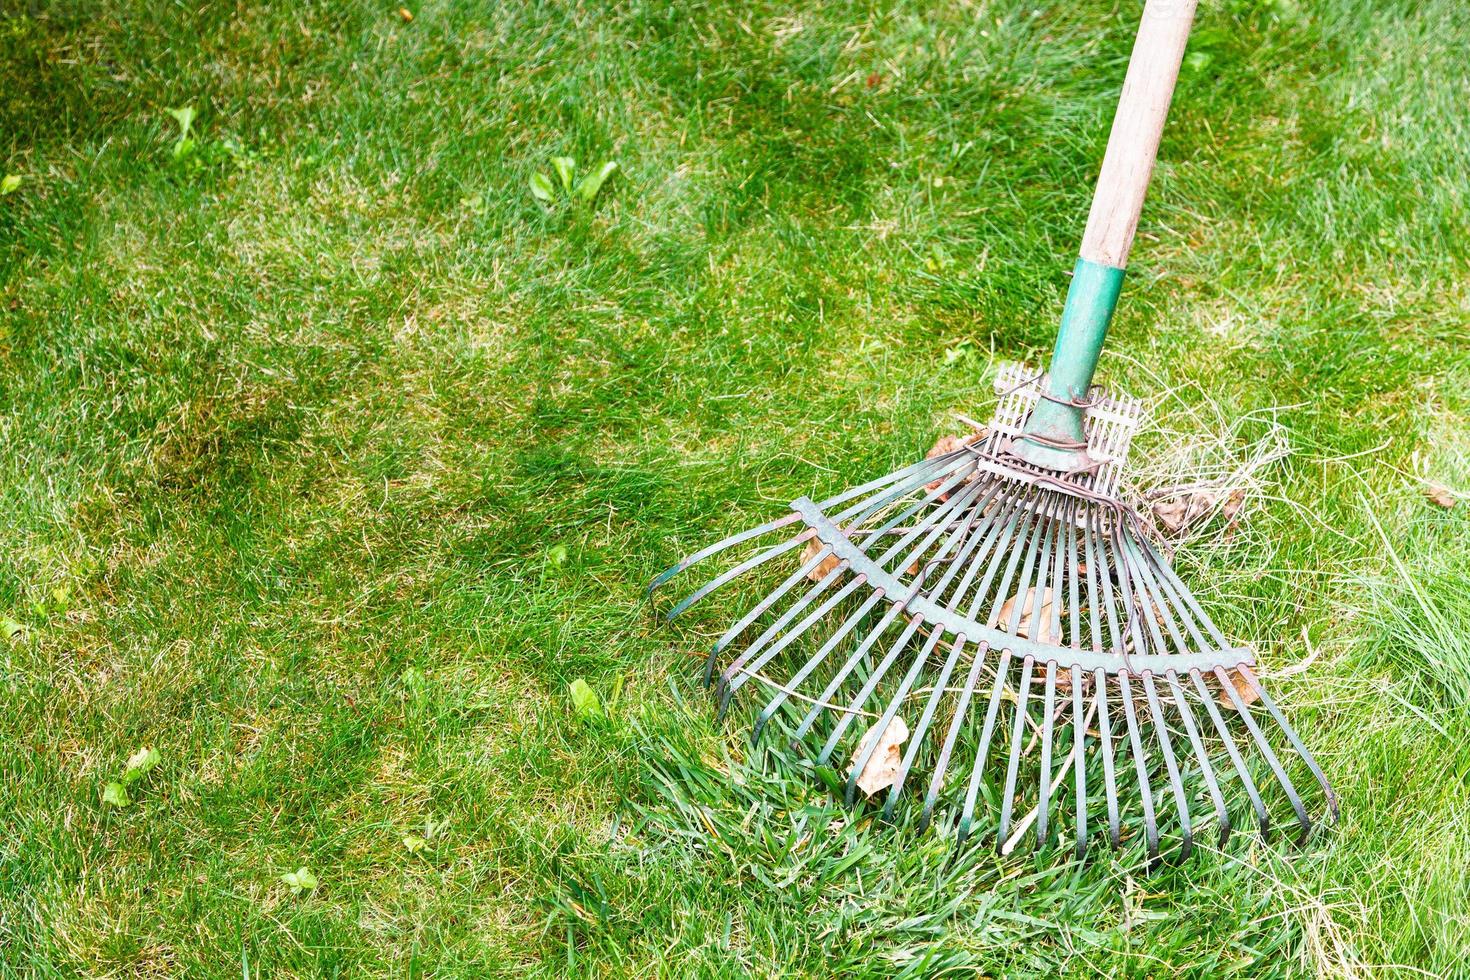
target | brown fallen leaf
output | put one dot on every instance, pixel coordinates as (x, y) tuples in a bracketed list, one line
[(881, 770), (1179, 512), (1028, 609), (825, 566), (1440, 495), (948, 444), (1243, 687)]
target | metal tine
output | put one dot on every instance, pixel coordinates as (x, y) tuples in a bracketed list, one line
[(739, 569), (1171, 765), (1053, 634), (719, 546), (786, 617), (1049, 707), (941, 766), (1140, 764), (1048, 518), (730, 683), (758, 609), (1079, 724), (899, 476), (1207, 770), (854, 707), (925, 719), (1095, 552), (1033, 532), (918, 475), (820, 702), (1079, 752), (860, 514), (1018, 733), (812, 664), (1166, 574), (956, 537), (1110, 778), (1140, 761), (987, 731), (894, 703), (1276, 768), (1291, 736), (1223, 730), (1003, 530), (932, 527)]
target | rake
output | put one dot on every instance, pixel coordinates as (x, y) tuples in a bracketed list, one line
[(1004, 593)]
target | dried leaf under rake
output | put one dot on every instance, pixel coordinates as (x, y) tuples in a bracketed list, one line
[(1023, 626), (825, 567), (1178, 512), (886, 762), (1243, 687)]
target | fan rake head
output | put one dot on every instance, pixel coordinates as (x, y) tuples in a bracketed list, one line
[(1029, 621)]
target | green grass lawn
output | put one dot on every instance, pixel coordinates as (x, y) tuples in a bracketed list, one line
[(330, 456)]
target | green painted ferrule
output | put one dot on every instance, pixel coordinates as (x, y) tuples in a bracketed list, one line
[(1054, 430)]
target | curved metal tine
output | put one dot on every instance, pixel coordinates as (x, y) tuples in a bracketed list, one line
[(1207, 770), (1013, 759), (731, 683), (1079, 759), (1110, 777), (854, 707), (932, 526), (1291, 736), (1046, 521), (758, 609), (815, 661), (886, 719), (739, 569), (938, 463), (1140, 766), (856, 657), (1034, 526), (1074, 592), (1223, 730), (1049, 577), (974, 505), (941, 766), (1171, 765), (1303, 820), (1167, 602), (791, 612), (856, 516), (1048, 711), (997, 544), (719, 546), (925, 719), (987, 731), (1181, 591), (956, 537), (1092, 548)]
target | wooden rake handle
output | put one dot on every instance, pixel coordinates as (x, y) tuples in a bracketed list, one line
[(1138, 125)]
